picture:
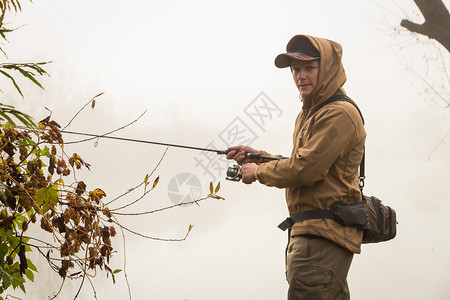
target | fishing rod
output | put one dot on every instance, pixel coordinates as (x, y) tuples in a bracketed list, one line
[(145, 142), (233, 173)]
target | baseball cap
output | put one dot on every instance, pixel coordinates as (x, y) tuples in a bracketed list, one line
[(300, 48)]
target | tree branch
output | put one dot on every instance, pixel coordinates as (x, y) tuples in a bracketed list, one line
[(437, 22)]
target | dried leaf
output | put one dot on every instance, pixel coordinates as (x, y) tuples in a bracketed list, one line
[(98, 95), (54, 124), (211, 187), (76, 159), (156, 182), (44, 121), (190, 227), (81, 188), (217, 188), (93, 100), (51, 167), (98, 193)]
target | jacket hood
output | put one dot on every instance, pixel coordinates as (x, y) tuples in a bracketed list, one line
[(331, 76)]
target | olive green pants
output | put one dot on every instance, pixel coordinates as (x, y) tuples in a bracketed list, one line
[(316, 269)]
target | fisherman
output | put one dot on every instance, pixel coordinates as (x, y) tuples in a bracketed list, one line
[(328, 145)]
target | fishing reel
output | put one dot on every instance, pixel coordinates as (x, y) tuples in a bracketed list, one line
[(234, 173)]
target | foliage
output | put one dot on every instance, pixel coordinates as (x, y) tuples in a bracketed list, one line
[(27, 70), (34, 171), (10, 5), (74, 216), (6, 111), (40, 192)]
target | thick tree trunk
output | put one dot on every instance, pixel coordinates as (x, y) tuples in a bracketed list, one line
[(437, 22)]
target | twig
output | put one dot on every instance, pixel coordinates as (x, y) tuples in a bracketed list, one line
[(132, 189), (60, 289), (11, 296), (129, 204), (442, 141), (165, 208), (124, 259), (83, 269), (105, 134), (73, 118), (154, 238)]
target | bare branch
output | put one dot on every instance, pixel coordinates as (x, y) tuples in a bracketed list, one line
[(125, 262), (437, 22), (442, 141), (132, 189), (167, 207), (155, 238), (89, 102), (108, 133)]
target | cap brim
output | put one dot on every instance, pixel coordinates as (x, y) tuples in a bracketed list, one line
[(284, 60)]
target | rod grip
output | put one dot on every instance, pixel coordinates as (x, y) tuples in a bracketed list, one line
[(253, 155)]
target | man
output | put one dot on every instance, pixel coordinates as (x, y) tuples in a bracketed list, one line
[(328, 147)]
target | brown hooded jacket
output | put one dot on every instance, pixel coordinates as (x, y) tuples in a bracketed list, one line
[(328, 148)]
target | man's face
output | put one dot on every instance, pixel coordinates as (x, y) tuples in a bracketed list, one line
[(305, 75)]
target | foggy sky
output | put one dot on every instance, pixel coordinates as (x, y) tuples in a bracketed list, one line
[(197, 67)]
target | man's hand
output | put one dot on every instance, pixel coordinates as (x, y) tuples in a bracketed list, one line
[(248, 173), (238, 154)]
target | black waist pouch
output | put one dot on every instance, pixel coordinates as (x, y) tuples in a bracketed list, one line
[(353, 215), (378, 222)]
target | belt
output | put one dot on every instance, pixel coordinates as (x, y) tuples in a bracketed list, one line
[(310, 236), (306, 215)]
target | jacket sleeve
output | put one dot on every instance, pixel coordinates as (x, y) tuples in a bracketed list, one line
[(334, 133)]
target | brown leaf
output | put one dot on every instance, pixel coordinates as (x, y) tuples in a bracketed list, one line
[(53, 123), (81, 188), (99, 95), (51, 167), (217, 188), (45, 121), (156, 181)]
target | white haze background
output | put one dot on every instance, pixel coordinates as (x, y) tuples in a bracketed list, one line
[(195, 66)]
